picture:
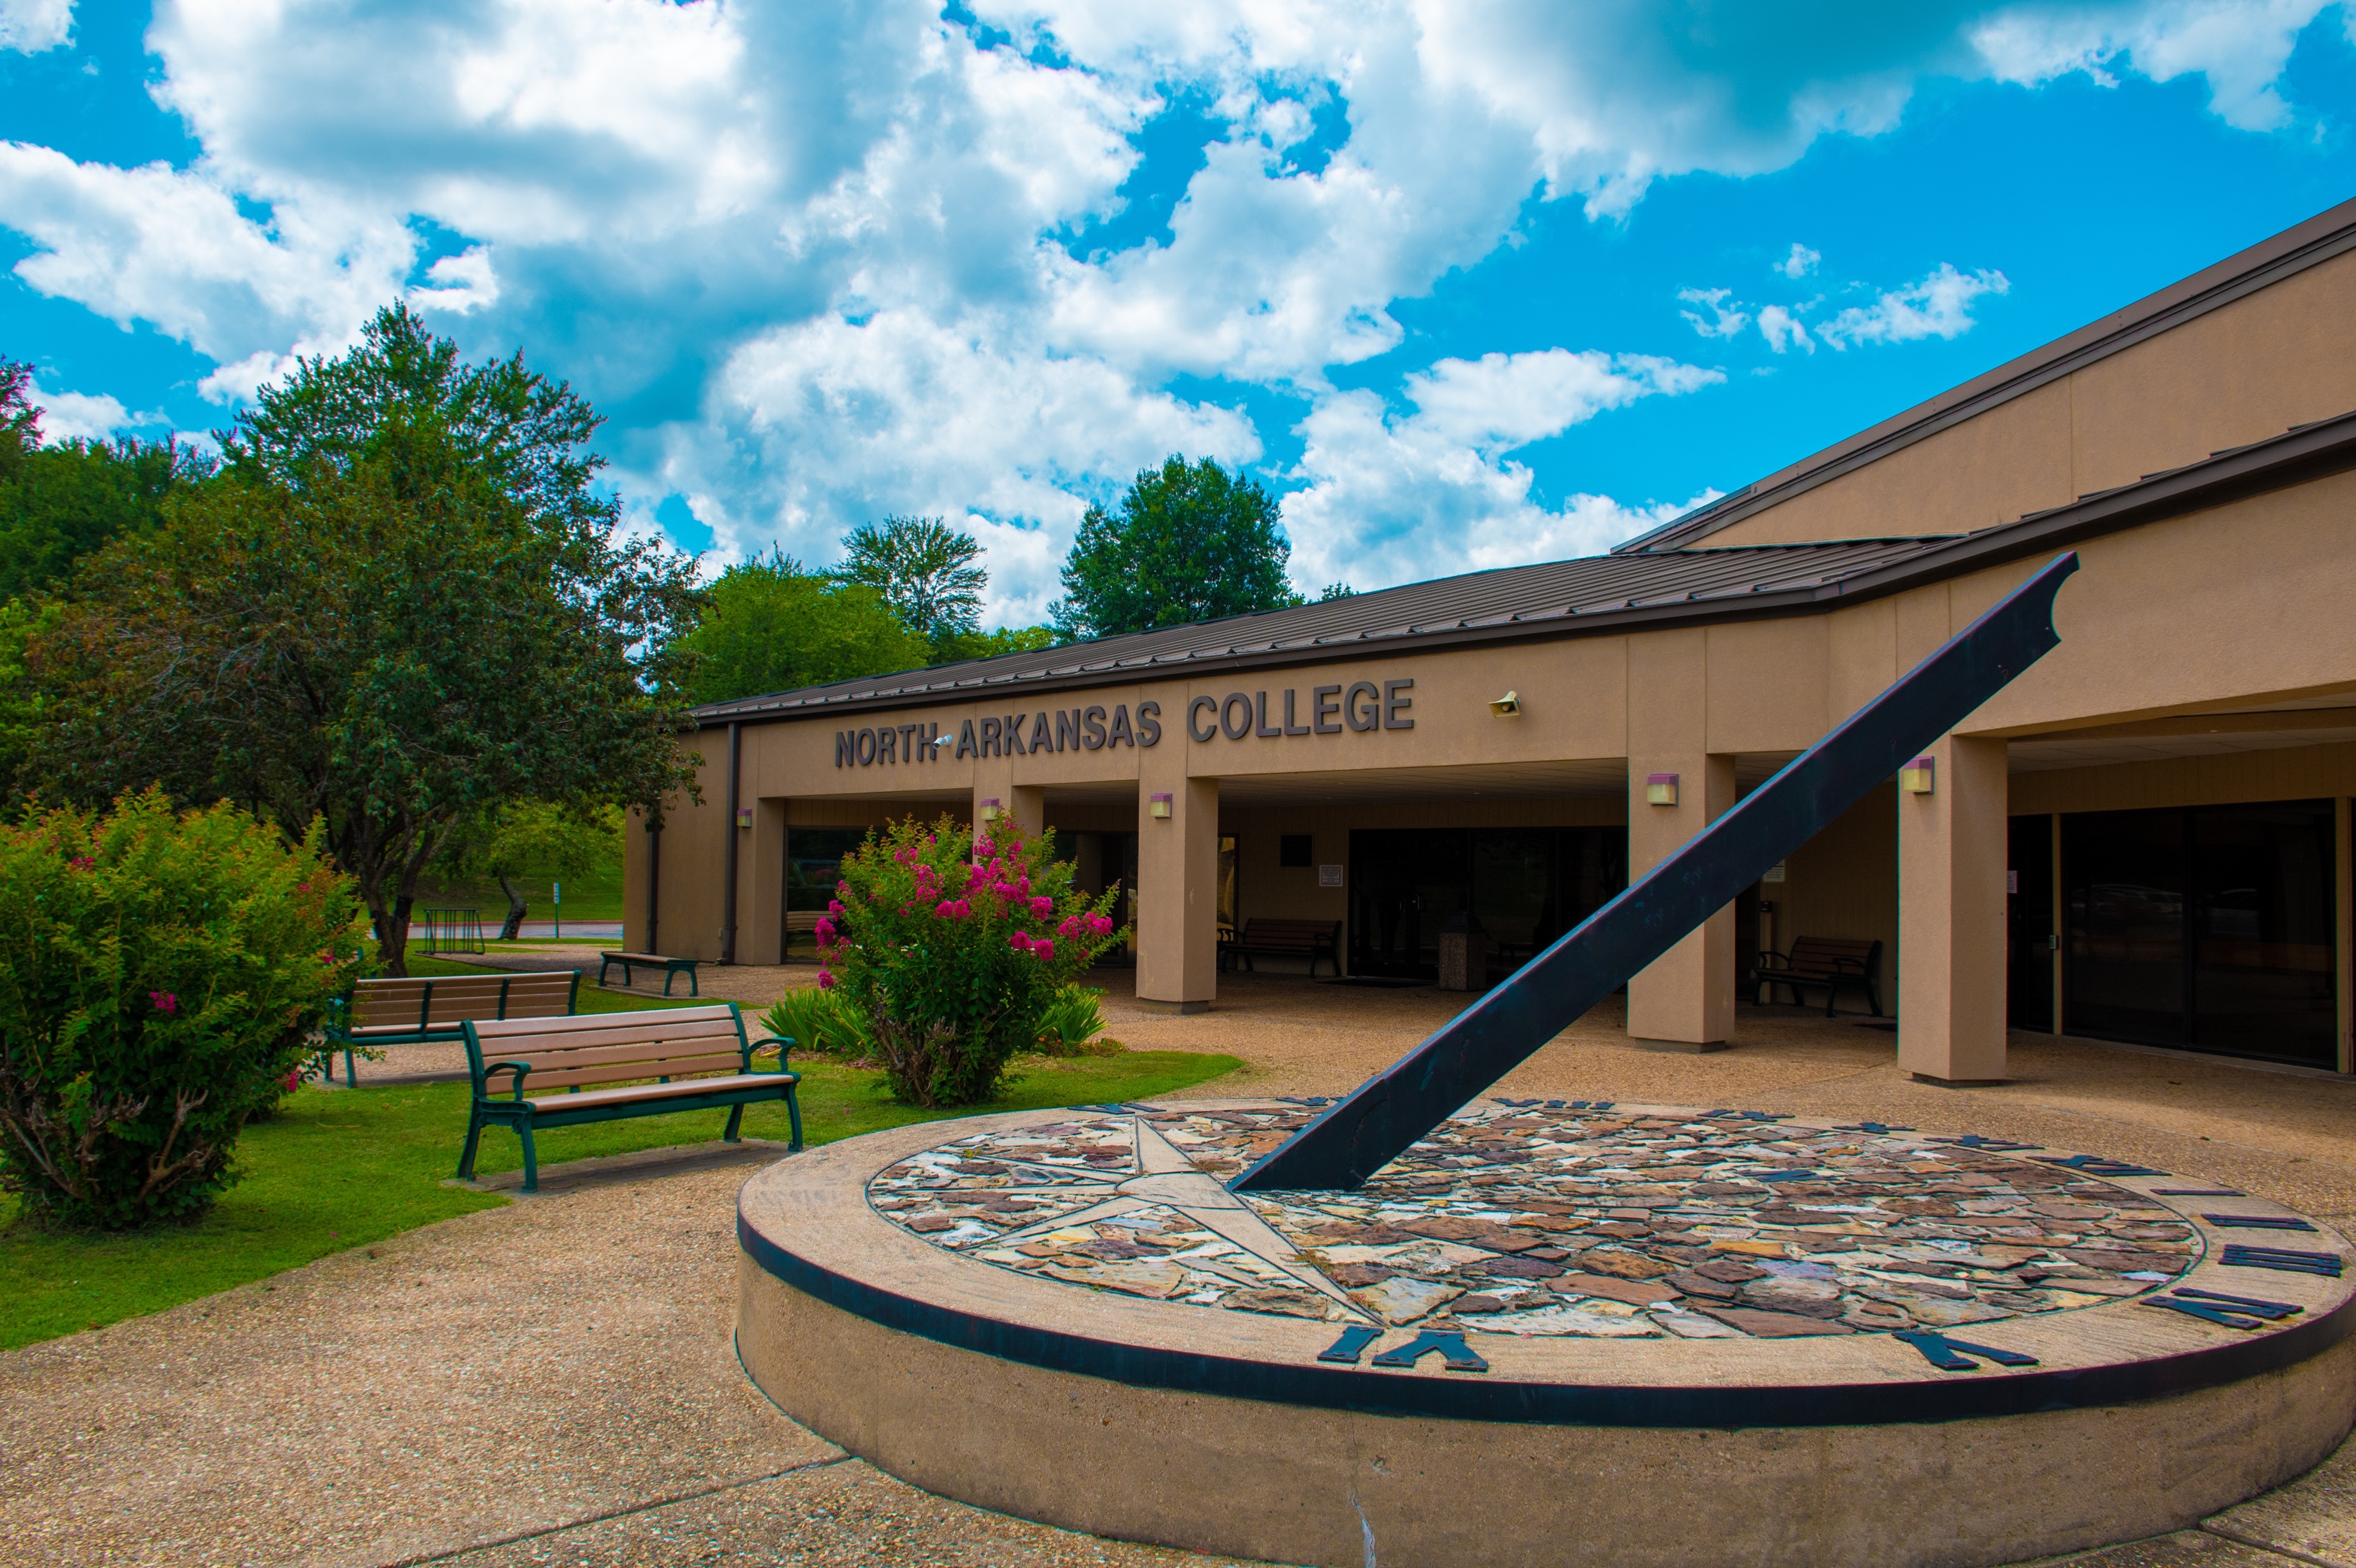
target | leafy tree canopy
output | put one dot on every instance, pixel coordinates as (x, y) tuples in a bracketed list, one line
[(989, 644), (403, 605), (530, 837), (58, 502), (770, 625), (1190, 542), (923, 570)]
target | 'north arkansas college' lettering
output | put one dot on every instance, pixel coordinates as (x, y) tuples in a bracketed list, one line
[(1015, 735)]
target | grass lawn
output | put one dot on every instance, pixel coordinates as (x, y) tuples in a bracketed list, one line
[(342, 1169)]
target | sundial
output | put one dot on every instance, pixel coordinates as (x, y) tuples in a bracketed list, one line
[(1561, 1220), (1427, 1323)]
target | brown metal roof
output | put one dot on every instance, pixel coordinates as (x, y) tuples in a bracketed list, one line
[(1588, 595), (2328, 234), (1514, 599)]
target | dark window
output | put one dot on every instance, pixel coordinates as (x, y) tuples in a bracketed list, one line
[(1294, 849), (1523, 885), (2029, 927), (2211, 928), (813, 861)]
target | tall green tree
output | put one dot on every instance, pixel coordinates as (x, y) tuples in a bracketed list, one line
[(60, 502), (402, 604), (923, 570), (770, 625), (1189, 542), (557, 839)]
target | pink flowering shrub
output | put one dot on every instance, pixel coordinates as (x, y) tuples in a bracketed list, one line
[(160, 976), (952, 946)]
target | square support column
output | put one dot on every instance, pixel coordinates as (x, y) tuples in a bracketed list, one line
[(761, 903), (1023, 804), (1178, 895), (1683, 1000), (1950, 903)]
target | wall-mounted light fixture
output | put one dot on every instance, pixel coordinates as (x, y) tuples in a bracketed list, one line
[(992, 808), (1660, 789), (743, 817), (1505, 706), (1917, 776), (1157, 806)]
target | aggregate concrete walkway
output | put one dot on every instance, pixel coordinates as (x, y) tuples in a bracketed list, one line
[(552, 1382)]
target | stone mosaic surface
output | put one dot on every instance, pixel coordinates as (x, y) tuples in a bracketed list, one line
[(1550, 1218)]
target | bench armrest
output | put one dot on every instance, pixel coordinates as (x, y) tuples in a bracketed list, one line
[(785, 1044), (518, 1068), (1772, 960)]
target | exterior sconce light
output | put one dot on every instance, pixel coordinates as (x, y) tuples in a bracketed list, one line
[(1158, 806), (1660, 789), (1505, 706), (991, 809), (743, 817), (1917, 776)]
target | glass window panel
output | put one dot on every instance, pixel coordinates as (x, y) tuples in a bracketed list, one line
[(2125, 884), (2262, 980)]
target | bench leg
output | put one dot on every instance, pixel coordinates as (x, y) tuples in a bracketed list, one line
[(736, 1120), (466, 1155), (351, 1076), (793, 1115), (530, 1157), (693, 988)]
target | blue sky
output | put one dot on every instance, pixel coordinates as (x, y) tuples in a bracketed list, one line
[(1467, 284)]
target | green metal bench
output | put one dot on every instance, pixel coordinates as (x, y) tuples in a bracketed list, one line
[(683, 1059), (423, 1010), (671, 968)]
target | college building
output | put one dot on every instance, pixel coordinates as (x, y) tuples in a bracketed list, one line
[(2146, 838)]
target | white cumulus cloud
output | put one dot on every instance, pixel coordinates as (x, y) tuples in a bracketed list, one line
[(1390, 499), (78, 416), (31, 25), (1938, 306), (829, 260)]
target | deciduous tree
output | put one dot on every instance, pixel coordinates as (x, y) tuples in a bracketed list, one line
[(403, 603), (770, 625), (1189, 542)]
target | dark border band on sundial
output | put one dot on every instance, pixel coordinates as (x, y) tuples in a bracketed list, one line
[(1491, 1398)]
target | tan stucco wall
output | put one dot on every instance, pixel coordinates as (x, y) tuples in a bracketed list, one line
[(2247, 370)]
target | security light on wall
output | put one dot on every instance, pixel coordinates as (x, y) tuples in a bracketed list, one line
[(1918, 776), (1507, 706), (743, 817), (1158, 806), (1660, 789)]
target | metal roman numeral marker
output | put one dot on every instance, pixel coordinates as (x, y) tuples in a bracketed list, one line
[(1952, 1355)]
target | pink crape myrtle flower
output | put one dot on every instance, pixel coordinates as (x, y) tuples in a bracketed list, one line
[(825, 980), (1042, 907), (164, 1002), (81, 863)]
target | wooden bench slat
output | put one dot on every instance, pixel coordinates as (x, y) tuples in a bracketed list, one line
[(651, 1092), (548, 1059), (646, 1026), (626, 1071)]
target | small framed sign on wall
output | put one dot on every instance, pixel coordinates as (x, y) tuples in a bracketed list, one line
[(1329, 876)]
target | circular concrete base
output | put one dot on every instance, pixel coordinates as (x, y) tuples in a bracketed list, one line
[(1640, 1334)]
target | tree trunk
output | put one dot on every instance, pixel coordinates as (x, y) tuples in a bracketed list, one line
[(514, 925)]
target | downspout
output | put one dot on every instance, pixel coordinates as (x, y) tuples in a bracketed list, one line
[(654, 879), (728, 866)]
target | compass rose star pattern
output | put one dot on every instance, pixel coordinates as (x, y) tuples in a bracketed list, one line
[(1548, 1219)]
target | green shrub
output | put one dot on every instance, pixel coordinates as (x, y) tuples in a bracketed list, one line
[(1072, 1024), (951, 946), (159, 976), (817, 1020)]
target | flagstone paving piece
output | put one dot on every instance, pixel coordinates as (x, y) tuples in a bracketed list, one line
[(1550, 1218)]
